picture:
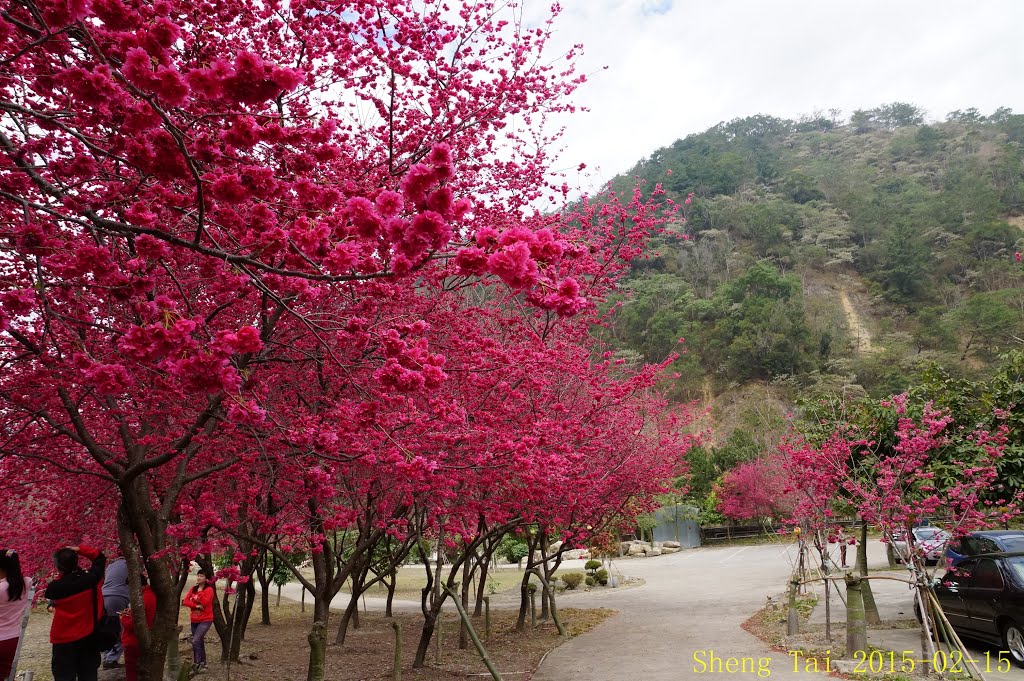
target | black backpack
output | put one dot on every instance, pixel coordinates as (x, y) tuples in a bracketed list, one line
[(106, 629)]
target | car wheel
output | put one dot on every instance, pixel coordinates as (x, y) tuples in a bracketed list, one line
[(1013, 642)]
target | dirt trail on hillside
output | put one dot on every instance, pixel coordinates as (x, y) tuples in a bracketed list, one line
[(858, 331)]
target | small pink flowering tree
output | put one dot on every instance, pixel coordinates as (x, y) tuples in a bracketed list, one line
[(900, 464)]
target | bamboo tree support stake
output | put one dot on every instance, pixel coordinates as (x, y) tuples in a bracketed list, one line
[(473, 635), (396, 672), (533, 609), (952, 635), (487, 617)]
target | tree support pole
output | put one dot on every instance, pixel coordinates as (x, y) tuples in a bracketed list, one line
[(396, 672), (473, 636)]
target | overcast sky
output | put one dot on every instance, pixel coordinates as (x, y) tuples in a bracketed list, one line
[(677, 67)]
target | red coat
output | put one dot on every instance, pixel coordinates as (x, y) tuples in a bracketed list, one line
[(74, 596), (127, 625), (194, 598)]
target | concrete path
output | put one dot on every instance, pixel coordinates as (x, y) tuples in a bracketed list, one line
[(690, 610)]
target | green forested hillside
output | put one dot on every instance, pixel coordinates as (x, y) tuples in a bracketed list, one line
[(832, 257)]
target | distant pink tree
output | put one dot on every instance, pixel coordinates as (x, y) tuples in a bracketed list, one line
[(758, 490)]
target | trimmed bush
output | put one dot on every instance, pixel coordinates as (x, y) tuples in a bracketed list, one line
[(592, 565), (573, 579), (601, 576), (590, 581), (512, 550)]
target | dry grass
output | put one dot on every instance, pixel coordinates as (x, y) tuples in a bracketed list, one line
[(411, 582)]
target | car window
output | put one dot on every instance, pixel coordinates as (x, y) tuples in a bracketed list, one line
[(1015, 543), (986, 545), (970, 545), (961, 574), (1017, 564), (987, 575), (927, 533)]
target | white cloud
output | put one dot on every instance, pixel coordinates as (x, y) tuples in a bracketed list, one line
[(677, 68)]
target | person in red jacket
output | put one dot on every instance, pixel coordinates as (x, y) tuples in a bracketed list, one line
[(128, 640), (77, 597), (199, 600)]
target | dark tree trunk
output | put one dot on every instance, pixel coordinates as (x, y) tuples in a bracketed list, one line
[(481, 590), (140, 533), (532, 541), (391, 583), (264, 576), (351, 611)]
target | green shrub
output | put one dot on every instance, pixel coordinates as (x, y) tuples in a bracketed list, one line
[(573, 579), (590, 581), (512, 550), (601, 576), (592, 565)]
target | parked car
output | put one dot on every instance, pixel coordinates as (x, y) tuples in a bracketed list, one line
[(984, 541), (928, 540), (983, 598)]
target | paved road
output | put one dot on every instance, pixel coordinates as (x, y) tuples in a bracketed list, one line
[(691, 607)]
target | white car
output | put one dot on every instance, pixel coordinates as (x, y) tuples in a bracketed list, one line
[(929, 542)]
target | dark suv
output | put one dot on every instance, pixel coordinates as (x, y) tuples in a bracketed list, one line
[(983, 598)]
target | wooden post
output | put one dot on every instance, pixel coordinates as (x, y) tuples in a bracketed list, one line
[(396, 672), (303, 600), (487, 617), (856, 624), (533, 608), (793, 617)]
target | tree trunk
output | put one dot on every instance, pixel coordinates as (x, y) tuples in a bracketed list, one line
[(870, 608), (351, 615), (856, 627), (141, 534), (351, 611), (485, 564), (317, 652), (263, 575), (429, 620), (391, 593), (532, 540)]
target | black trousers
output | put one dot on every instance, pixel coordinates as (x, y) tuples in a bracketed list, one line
[(75, 661)]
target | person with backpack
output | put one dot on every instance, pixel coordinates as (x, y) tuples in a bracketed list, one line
[(115, 599), (128, 639), (77, 597), (13, 602), (199, 600)]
